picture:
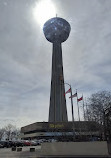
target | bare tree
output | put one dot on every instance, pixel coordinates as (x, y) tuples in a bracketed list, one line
[(96, 105), (15, 134), (2, 132), (11, 132)]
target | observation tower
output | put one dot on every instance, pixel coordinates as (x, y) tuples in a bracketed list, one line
[(56, 31)]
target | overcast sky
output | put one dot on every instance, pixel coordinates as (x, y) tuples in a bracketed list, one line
[(25, 56)]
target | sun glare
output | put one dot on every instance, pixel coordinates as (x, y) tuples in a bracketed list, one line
[(44, 10)]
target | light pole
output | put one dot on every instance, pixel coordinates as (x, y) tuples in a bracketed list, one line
[(72, 110)]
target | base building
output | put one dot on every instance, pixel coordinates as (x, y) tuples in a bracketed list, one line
[(84, 130)]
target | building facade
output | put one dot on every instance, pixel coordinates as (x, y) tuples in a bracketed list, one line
[(62, 130)]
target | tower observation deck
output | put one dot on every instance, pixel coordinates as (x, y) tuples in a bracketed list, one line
[(56, 31)]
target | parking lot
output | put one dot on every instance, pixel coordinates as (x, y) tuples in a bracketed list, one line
[(24, 146), (25, 153)]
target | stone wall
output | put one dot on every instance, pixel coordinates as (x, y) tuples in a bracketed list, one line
[(75, 148)]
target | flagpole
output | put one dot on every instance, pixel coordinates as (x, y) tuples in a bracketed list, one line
[(72, 110), (78, 106), (72, 113), (83, 108), (72, 106)]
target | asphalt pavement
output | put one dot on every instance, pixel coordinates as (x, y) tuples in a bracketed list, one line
[(25, 153)]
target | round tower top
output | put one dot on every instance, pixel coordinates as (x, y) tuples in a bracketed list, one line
[(56, 30)]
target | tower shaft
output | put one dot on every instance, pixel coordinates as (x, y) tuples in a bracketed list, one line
[(57, 109)]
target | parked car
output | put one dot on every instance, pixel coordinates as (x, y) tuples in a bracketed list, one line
[(34, 143), (19, 143), (8, 144), (12, 143), (38, 142), (5, 144), (26, 143), (41, 140), (1, 146)]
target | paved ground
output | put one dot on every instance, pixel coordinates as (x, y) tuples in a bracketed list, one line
[(25, 153)]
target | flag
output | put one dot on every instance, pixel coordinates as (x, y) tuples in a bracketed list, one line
[(68, 91), (80, 99), (74, 95)]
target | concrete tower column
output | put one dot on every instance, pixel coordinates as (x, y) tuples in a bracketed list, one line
[(56, 31), (57, 109)]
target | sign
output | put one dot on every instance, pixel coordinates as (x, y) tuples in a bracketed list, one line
[(56, 125)]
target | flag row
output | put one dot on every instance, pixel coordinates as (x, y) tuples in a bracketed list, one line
[(74, 95)]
